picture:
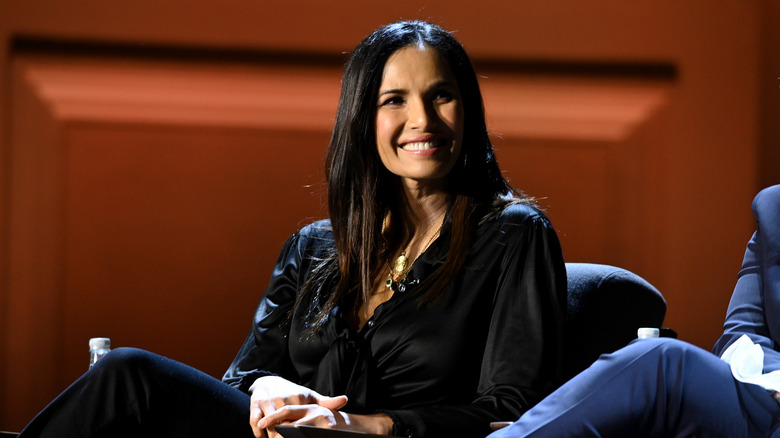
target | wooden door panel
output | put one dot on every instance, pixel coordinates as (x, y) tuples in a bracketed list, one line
[(589, 147), (150, 203), (171, 235)]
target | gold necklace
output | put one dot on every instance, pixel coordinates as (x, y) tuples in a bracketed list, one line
[(401, 265)]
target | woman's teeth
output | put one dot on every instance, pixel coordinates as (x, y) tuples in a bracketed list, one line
[(419, 146)]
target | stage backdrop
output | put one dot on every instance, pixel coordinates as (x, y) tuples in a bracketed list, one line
[(154, 157)]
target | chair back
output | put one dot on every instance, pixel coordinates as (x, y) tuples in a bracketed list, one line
[(606, 306)]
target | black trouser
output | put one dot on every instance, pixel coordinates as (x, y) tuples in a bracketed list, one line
[(134, 393)]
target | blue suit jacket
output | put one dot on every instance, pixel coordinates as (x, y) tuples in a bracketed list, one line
[(754, 309)]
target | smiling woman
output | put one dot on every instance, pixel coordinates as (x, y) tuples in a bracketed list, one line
[(419, 119), (430, 303), (419, 135)]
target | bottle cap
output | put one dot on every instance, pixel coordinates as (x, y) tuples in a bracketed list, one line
[(647, 332), (99, 343)]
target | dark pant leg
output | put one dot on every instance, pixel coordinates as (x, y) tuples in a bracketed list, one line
[(134, 393), (652, 388)]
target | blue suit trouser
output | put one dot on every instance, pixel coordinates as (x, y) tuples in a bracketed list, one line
[(652, 388)]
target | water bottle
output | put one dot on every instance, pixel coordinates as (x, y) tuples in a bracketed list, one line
[(647, 332), (98, 347)]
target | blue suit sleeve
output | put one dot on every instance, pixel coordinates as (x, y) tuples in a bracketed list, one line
[(754, 309)]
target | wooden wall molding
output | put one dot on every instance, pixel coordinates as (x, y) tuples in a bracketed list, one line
[(571, 108), (261, 96), (180, 93)]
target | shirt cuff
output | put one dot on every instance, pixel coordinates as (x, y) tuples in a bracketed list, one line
[(406, 424)]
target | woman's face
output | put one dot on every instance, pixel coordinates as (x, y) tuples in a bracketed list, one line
[(419, 117)]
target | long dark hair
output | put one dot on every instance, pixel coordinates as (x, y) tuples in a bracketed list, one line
[(361, 190)]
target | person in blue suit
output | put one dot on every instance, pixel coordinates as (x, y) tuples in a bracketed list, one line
[(668, 388)]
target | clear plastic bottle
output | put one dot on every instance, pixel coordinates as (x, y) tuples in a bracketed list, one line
[(647, 332), (98, 347)]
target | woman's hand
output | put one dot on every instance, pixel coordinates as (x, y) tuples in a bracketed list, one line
[(271, 393), (310, 415), (320, 416)]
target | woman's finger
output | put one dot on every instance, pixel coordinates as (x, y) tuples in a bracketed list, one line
[(333, 403), (285, 414), (268, 406), (257, 431), (256, 413)]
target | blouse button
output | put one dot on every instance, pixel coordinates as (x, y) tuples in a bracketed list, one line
[(370, 323)]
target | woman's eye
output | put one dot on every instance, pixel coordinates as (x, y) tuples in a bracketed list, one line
[(396, 100), (443, 95)]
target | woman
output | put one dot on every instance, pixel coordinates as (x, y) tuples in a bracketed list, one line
[(429, 304), (668, 388)]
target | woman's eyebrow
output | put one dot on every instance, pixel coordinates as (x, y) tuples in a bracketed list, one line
[(392, 91), (442, 83), (437, 84)]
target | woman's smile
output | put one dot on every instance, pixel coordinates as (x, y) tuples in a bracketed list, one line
[(419, 146), (430, 145), (419, 118)]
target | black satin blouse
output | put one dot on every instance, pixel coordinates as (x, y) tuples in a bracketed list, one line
[(487, 351)]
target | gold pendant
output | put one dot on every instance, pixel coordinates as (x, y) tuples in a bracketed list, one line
[(400, 263)]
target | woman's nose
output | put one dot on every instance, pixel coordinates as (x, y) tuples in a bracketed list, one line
[(421, 115)]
